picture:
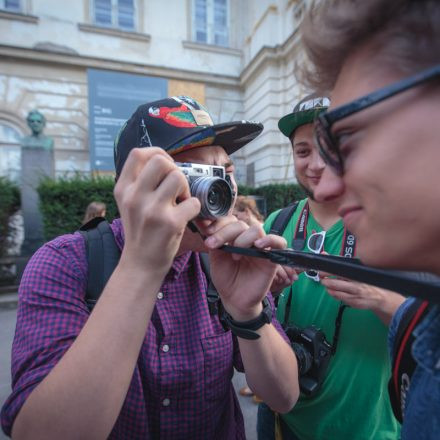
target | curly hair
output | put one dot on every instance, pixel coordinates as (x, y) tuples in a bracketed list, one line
[(404, 35)]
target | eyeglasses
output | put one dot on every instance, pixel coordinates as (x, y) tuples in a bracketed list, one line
[(315, 243), (328, 144)]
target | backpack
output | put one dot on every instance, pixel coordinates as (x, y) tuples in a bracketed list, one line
[(403, 362), (103, 256), (282, 219)]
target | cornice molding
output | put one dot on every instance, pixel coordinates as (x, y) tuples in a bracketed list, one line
[(269, 54), (18, 16), (75, 61), (212, 48), (114, 32)]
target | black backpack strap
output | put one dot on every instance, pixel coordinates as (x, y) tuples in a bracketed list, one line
[(403, 363), (282, 219), (102, 256)]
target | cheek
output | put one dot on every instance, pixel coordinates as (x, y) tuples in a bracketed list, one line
[(300, 164)]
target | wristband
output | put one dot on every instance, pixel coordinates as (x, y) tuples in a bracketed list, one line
[(246, 329)]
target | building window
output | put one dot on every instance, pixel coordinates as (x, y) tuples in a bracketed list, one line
[(210, 22), (118, 14), (10, 5), (10, 152)]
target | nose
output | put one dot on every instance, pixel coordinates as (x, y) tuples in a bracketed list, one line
[(330, 186)]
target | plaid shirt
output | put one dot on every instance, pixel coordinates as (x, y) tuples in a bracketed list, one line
[(181, 387)]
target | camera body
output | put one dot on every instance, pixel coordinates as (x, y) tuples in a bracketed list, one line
[(313, 353), (212, 186)]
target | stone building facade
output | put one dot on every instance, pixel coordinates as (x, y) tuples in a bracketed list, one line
[(236, 56)]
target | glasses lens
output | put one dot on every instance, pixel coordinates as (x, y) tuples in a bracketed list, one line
[(328, 149), (316, 242)]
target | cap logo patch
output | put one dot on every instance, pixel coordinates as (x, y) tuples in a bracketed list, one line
[(176, 116), (313, 103), (201, 117)]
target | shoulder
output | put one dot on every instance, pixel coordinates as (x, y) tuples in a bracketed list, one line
[(65, 247), (61, 261)]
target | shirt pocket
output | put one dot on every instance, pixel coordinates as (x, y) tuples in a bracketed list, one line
[(218, 365)]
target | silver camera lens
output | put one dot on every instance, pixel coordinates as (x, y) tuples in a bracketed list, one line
[(215, 195)]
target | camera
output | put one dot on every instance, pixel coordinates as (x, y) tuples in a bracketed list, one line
[(313, 353), (212, 186)]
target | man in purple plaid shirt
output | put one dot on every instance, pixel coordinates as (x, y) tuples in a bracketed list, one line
[(150, 361)]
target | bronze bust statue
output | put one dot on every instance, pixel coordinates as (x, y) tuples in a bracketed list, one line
[(36, 122)]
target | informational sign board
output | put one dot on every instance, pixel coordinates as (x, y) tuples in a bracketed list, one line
[(113, 97)]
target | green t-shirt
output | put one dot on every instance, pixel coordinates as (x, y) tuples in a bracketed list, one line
[(353, 402)]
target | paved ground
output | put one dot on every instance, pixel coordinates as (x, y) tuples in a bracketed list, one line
[(7, 326)]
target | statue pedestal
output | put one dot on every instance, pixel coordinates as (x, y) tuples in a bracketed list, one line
[(36, 163)]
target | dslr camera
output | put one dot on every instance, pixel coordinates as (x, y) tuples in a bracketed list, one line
[(313, 352), (212, 186)]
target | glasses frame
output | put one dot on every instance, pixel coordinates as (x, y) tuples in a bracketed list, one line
[(330, 150), (313, 274)]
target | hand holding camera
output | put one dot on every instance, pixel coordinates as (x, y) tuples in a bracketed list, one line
[(146, 194)]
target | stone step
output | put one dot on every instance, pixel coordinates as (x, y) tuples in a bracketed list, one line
[(11, 288), (8, 300)]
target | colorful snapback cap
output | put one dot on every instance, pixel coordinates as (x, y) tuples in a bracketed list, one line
[(177, 124)]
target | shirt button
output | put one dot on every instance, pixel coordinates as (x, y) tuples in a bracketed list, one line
[(165, 348), (166, 402), (160, 295)]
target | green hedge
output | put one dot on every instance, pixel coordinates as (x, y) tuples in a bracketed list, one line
[(9, 204), (277, 195), (63, 201)]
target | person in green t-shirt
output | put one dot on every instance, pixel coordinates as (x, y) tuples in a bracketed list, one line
[(350, 400)]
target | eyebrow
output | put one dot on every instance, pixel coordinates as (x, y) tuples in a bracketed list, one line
[(229, 163), (301, 144)]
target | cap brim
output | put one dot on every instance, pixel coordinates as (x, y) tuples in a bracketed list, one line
[(230, 135), (289, 123)]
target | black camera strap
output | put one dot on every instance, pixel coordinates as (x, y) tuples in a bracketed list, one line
[(347, 250), (299, 239), (417, 284)]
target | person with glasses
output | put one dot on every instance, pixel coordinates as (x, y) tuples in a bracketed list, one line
[(350, 402), (380, 139)]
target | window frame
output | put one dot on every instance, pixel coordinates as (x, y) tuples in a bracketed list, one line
[(114, 15), (4, 8), (210, 24), (11, 146)]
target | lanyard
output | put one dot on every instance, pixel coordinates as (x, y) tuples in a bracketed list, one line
[(348, 243), (347, 250)]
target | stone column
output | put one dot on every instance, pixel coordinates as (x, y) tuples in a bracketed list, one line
[(37, 162)]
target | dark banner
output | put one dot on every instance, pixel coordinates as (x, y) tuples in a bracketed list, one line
[(113, 97)]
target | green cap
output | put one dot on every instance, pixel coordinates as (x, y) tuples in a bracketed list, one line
[(305, 112)]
